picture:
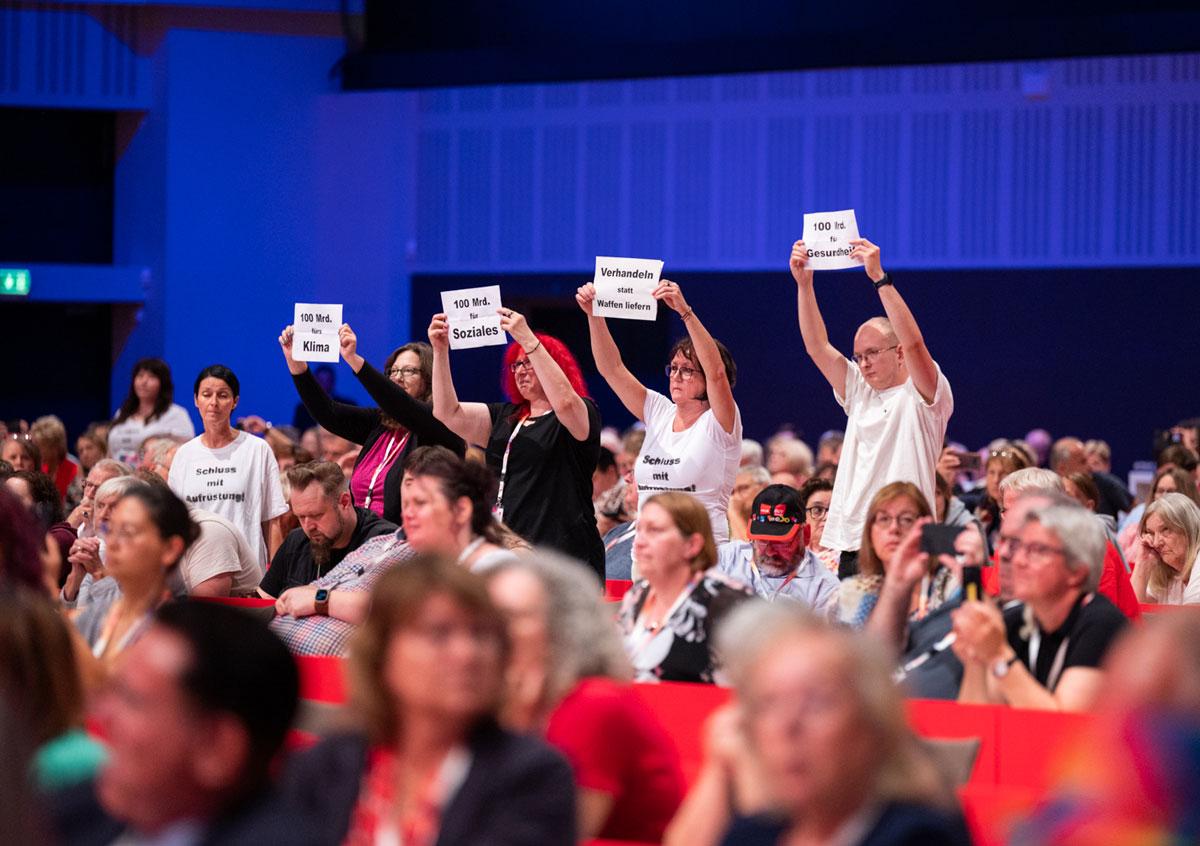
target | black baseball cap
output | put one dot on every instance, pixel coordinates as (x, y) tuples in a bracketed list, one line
[(777, 514)]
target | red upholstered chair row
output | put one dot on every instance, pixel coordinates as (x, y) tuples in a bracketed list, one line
[(239, 601), (1013, 769), (614, 589)]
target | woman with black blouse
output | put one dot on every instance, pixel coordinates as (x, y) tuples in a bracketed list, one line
[(403, 421)]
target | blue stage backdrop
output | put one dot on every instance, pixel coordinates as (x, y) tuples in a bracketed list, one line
[(1006, 196)]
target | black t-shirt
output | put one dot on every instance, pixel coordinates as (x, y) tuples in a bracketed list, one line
[(293, 563), (1089, 631), (548, 491)]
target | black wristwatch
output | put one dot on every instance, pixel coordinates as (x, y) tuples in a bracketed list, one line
[(321, 602), (886, 280)]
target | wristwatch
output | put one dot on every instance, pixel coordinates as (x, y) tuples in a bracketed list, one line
[(321, 601), (1002, 665), (886, 280)]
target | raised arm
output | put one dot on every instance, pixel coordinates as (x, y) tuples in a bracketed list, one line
[(568, 406), (470, 421), (396, 402), (916, 356), (346, 421), (716, 380), (625, 385), (829, 361)]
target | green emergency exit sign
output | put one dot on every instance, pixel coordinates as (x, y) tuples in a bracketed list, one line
[(14, 282)]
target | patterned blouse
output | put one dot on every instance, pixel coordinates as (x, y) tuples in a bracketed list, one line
[(679, 650)]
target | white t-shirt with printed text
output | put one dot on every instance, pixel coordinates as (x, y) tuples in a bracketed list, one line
[(702, 460), (125, 438), (891, 436), (239, 482)]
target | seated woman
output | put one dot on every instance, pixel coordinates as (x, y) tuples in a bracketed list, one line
[(91, 447), (149, 533), (569, 680), (1166, 480), (387, 434), (1167, 574), (814, 748), (1048, 653), (667, 618), (892, 512), (40, 674), (21, 452), (50, 435), (432, 764), (694, 436), (447, 508), (1002, 462), (815, 495)]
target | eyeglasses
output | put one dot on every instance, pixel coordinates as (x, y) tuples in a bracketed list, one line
[(870, 355), (903, 521), (684, 373), (1033, 549), (520, 364), (404, 372), (125, 534), (819, 511)]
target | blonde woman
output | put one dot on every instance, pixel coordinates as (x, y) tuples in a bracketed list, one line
[(814, 748), (1167, 574)]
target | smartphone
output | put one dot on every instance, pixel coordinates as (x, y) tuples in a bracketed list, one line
[(938, 539), (969, 462), (972, 577)]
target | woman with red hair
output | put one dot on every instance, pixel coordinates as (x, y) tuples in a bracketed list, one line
[(543, 443)]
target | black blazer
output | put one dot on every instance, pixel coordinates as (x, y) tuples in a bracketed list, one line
[(364, 425), (79, 820), (518, 792)]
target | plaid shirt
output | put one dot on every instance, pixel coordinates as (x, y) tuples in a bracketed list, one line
[(358, 571)]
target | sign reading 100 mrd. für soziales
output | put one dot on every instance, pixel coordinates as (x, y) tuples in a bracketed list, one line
[(14, 282)]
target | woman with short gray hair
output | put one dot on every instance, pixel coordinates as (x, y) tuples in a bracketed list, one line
[(569, 679), (1170, 530), (1045, 654)]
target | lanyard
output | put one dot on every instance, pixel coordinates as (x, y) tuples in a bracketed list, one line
[(758, 577), (388, 455), (1060, 657), (628, 533), (106, 633), (498, 509)]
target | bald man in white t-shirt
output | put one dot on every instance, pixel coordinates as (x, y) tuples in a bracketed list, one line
[(896, 399)]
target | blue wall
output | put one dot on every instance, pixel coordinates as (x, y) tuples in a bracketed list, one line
[(248, 182)]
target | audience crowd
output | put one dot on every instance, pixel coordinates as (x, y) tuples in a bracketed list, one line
[(498, 574)]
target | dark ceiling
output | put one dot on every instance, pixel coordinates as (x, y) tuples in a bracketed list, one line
[(416, 45)]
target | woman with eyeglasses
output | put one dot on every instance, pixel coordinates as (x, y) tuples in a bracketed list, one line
[(892, 512), (148, 534), (387, 434), (815, 495), (694, 436), (543, 444)]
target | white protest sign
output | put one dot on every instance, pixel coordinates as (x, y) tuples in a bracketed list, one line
[(827, 236), (624, 287), (315, 332), (473, 318)]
